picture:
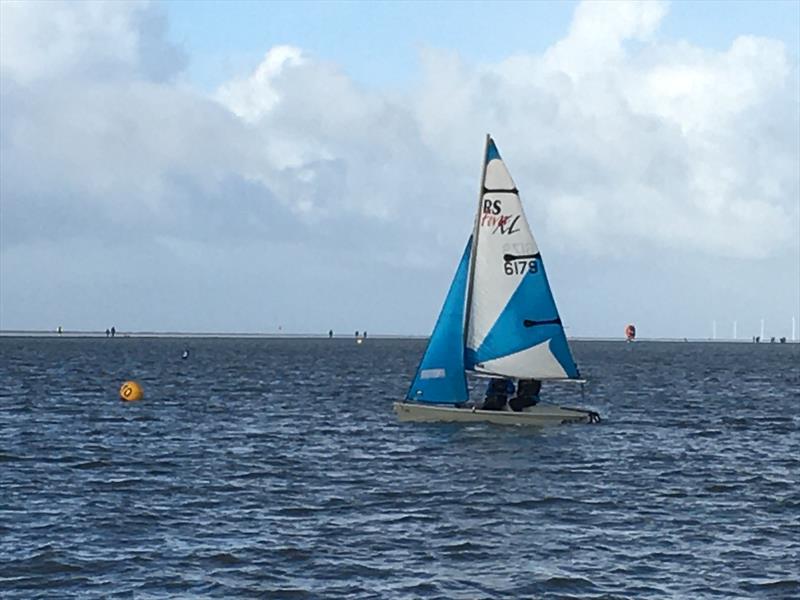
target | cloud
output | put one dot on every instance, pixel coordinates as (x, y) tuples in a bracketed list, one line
[(253, 97), (95, 40), (622, 143), (666, 145), (598, 32)]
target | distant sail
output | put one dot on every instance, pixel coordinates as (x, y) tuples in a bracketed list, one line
[(440, 376), (513, 328)]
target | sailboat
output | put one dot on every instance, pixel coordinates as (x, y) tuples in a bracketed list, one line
[(499, 319)]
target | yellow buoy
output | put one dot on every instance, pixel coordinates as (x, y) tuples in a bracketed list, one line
[(130, 391)]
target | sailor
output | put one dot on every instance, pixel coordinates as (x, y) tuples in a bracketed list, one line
[(497, 394), (527, 394)]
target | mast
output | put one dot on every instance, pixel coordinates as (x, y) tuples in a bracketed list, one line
[(474, 248)]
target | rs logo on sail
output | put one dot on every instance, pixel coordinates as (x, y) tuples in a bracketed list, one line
[(504, 224)]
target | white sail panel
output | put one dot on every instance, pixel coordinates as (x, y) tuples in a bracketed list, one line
[(510, 308), (537, 362), (497, 175), (503, 230)]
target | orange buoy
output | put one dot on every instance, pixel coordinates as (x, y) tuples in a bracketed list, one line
[(130, 391)]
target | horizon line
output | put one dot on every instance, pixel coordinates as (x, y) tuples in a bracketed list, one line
[(91, 333)]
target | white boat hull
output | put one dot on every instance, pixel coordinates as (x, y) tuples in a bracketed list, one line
[(539, 415)]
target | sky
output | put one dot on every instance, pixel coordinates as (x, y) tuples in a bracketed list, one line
[(254, 167)]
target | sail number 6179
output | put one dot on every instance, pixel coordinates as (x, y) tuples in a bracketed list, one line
[(520, 267)]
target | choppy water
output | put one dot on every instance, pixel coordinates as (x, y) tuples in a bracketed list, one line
[(275, 468)]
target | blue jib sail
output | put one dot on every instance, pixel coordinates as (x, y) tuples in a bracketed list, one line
[(440, 377)]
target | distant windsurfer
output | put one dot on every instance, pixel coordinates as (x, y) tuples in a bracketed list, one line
[(497, 393), (527, 394)]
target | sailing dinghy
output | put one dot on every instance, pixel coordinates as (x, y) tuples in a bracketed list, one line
[(499, 319)]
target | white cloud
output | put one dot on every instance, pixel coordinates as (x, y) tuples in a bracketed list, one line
[(98, 40), (254, 96), (667, 145), (622, 143), (598, 32)]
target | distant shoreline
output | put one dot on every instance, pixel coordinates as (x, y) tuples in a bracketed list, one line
[(9, 333), (186, 334)]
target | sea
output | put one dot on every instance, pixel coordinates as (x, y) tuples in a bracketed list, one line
[(275, 468)]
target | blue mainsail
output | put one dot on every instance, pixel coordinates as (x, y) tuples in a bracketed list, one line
[(440, 377)]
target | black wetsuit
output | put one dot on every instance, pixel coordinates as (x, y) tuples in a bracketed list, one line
[(527, 394), (497, 394)]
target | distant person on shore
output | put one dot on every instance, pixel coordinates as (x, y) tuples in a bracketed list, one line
[(497, 393), (527, 394), (113, 331), (330, 333), (108, 332)]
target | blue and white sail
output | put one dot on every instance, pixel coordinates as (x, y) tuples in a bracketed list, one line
[(441, 376), (513, 328)]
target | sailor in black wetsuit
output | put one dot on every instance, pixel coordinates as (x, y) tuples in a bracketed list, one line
[(497, 394), (527, 394)]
